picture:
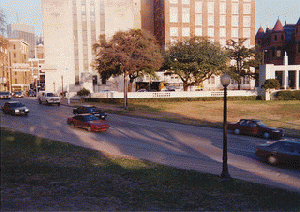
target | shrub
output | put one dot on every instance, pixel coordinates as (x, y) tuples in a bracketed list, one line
[(83, 92), (288, 95), (271, 84)]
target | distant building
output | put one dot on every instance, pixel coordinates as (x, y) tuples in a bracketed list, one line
[(275, 42), (25, 32), (5, 74)]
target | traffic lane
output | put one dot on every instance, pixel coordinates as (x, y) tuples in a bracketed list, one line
[(171, 144)]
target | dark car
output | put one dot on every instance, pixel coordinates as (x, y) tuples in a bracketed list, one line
[(282, 151), (5, 95), (90, 109), (256, 128), (15, 108), (89, 122)]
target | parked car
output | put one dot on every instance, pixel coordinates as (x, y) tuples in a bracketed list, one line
[(90, 109), (256, 128), (5, 95), (88, 122), (282, 151), (142, 90), (15, 108), (48, 98), (17, 94)]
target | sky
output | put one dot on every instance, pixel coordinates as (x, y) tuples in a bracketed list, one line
[(267, 12)]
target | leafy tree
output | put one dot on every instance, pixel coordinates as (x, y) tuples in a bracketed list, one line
[(243, 59), (83, 92), (133, 53), (2, 22), (195, 60)]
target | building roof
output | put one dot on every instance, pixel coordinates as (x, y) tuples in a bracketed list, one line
[(260, 33), (278, 27), (298, 23)]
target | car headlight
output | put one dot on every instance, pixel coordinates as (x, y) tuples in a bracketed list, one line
[(17, 111), (26, 110)]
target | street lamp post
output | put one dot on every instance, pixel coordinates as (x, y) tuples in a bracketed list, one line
[(225, 81)]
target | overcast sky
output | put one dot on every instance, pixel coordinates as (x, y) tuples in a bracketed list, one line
[(267, 12)]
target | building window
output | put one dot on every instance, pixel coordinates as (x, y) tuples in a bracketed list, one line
[(235, 8), (222, 20), (246, 32), (275, 37), (198, 7), (198, 19), (247, 21), (211, 32), (173, 1), (282, 37), (223, 32), (185, 1), (186, 15), (278, 53), (222, 8), (212, 80), (234, 32), (198, 32), (298, 46), (247, 9), (211, 20), (186, 32), (210, 7), (235, 21), (173, 14), (174, 31)]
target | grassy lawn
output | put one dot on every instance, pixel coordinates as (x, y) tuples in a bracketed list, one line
[(39, 174), (284, 114)]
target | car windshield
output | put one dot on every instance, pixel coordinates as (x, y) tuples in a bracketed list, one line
[(261, 124), (90, 118), (17, 104), (4, 93), (51, 94), (92, 109)]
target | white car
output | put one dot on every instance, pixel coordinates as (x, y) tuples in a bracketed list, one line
[(48, 98)]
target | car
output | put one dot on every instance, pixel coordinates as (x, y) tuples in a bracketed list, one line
[(90, 109), (282, 151), (142, 90), (88, 122), (5, 95), (17, 94), (49, 98), (256, 128), (15, 108)]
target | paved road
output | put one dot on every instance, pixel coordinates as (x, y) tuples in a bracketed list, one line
[(187, 147)]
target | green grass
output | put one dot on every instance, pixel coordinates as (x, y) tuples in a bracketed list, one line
[(36, 172)]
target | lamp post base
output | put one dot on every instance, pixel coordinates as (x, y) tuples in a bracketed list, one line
[(225, 175)]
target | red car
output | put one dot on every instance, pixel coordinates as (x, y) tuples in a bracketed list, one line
[(256, 128), (89, 122), (282, 151)]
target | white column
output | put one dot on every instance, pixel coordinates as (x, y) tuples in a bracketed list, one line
[(297, 79), (286, 79)]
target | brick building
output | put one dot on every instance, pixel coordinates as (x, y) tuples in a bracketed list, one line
[(275, 42), (4, 65)]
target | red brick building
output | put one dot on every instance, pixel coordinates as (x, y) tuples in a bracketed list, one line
[(275, 42)]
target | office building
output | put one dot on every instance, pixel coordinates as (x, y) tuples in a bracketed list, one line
[(25, 32)]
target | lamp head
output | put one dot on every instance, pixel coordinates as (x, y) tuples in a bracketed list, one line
[(225, 79)]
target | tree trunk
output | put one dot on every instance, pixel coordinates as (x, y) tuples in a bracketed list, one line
[(130, 84), (185, 86)]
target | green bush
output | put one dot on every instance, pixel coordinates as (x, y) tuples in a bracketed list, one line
[(288, 95), (83, 92)]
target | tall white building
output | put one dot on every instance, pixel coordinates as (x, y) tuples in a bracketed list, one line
[(71, 27)]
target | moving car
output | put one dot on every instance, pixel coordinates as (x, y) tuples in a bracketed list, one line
[(15, 108), (282, 151), (48, 98), (5, 95), (88, 122), (90, 109), (256, 128), (18, 94)]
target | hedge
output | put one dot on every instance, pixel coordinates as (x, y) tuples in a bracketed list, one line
[(288, 95)]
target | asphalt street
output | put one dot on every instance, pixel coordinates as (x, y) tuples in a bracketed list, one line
[(182, 146)]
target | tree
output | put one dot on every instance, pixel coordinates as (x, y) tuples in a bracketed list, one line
[(243, 59), (133, 53), (270, 84), (2, 22), (195, 60)]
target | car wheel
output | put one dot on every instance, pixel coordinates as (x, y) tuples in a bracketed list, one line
[(237, 131), (266, 135), (58, 104), (47, 103), (272, 160), (89, 128), (72, 125), (40, 102)]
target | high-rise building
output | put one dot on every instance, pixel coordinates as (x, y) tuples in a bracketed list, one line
[(71, 27), (25, 32), (219, 20)]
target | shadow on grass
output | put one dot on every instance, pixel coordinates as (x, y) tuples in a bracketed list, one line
[(40, 174)]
